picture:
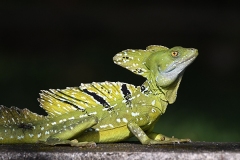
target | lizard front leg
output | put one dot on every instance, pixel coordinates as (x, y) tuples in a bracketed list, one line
[(69, 129), (152, 138), (161, 137)]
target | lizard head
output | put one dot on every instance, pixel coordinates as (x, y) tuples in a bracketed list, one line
[(167, 65), (160, 62), (167, 68), (162, 66)]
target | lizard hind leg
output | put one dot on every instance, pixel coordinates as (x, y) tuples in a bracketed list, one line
[(69, 129)]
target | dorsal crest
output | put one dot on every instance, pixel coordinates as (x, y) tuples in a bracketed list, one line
[(134, 60), (91, 96)]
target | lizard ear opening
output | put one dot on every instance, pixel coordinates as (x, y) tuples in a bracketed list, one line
[(134, 60)]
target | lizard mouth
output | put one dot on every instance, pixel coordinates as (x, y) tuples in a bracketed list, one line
[(180, 65), (168, 76)]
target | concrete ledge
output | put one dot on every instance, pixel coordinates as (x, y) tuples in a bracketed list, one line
[(127, 150)]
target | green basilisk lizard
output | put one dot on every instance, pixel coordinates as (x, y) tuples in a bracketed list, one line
[(107, 111)]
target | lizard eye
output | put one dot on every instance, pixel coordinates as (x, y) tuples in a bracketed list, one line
[(175, 53)]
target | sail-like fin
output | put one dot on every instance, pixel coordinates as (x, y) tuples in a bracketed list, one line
[(102, 95)]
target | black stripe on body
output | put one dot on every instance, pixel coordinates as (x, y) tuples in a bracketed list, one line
[(97, 98), (125, 91), (25, 126), (126, 94), (70, 103), (144, 90), (66, 100)]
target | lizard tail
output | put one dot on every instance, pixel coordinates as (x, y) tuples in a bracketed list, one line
[(17, 116)]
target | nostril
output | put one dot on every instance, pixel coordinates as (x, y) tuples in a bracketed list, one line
[(193, 49)]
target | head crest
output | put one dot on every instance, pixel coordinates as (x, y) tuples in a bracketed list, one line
[(135, 60)]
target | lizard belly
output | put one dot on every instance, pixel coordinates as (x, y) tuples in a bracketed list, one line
[(105, 136)]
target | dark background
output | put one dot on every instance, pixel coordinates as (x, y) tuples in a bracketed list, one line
[(60, 44)]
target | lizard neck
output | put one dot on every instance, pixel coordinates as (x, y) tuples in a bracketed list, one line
[(149, 87)]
